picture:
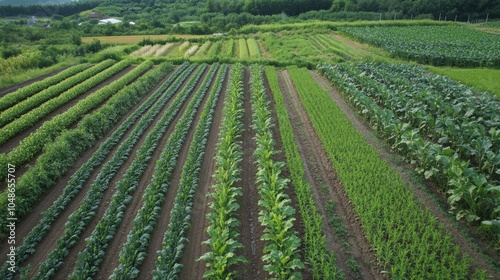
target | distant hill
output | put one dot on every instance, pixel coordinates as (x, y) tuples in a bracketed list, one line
[(33, 2)]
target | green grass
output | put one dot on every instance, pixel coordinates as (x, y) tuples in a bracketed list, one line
[(481, 78)]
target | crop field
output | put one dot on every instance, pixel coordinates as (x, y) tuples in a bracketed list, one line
[(436, 45), (223, 171), (159, 165)]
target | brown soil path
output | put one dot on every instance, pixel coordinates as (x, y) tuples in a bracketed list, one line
[(17, 86), (111, 257), (326, 187), (196, 234), (14, 141), (251, 230), (405, 170)]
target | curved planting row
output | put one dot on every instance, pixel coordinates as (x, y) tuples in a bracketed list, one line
[(472, 192), (75, 184), (91, 257), (222, 217), (78, 221), (21, 94), (167, 265), (49, 130), (29, 119), (60, 155), (406, 238), (133, 251), (53, 91), (276, 216), (321, 261)]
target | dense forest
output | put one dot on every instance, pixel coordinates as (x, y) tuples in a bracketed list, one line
[(450, 8)]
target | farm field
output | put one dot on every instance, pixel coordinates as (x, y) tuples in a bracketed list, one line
[(188, 143), (284, 154)]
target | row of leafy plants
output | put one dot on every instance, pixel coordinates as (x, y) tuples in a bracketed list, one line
[(281, 247), (320, 259), (61, 89), (77, 180), (92, 256), (22, 93), (223, 222), (242, 44), (167, 264), (473, 192), (79, 220), (407, 239), (58, 156), (133, 252), (29, 119), (444, 111), (253, 48), (49, 130)]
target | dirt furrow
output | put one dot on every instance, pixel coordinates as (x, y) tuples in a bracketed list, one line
[(349, 244), (437, 206), (196, 234)]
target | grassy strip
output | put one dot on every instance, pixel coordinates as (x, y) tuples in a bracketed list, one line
[(78, 221), (134, 250), (253, 48), (75, 184), (276, 215), (407, 239), (321, 261), (222, 231), (167, 265), (242, 43), (21, 94), (51, 92)]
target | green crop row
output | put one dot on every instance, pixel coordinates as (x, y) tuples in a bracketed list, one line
[(29, 119), (253, 48), (451, 45), (281, 248), (49, 130), (21, 94), (321, 261), (78, 220), (167, 265), (134, 250), (471, 191), (202, 51), (405, 237), (75, 184), (228, 48), (242, 43), (215, 49), (22, 107), (92, 256), (223, 224)]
